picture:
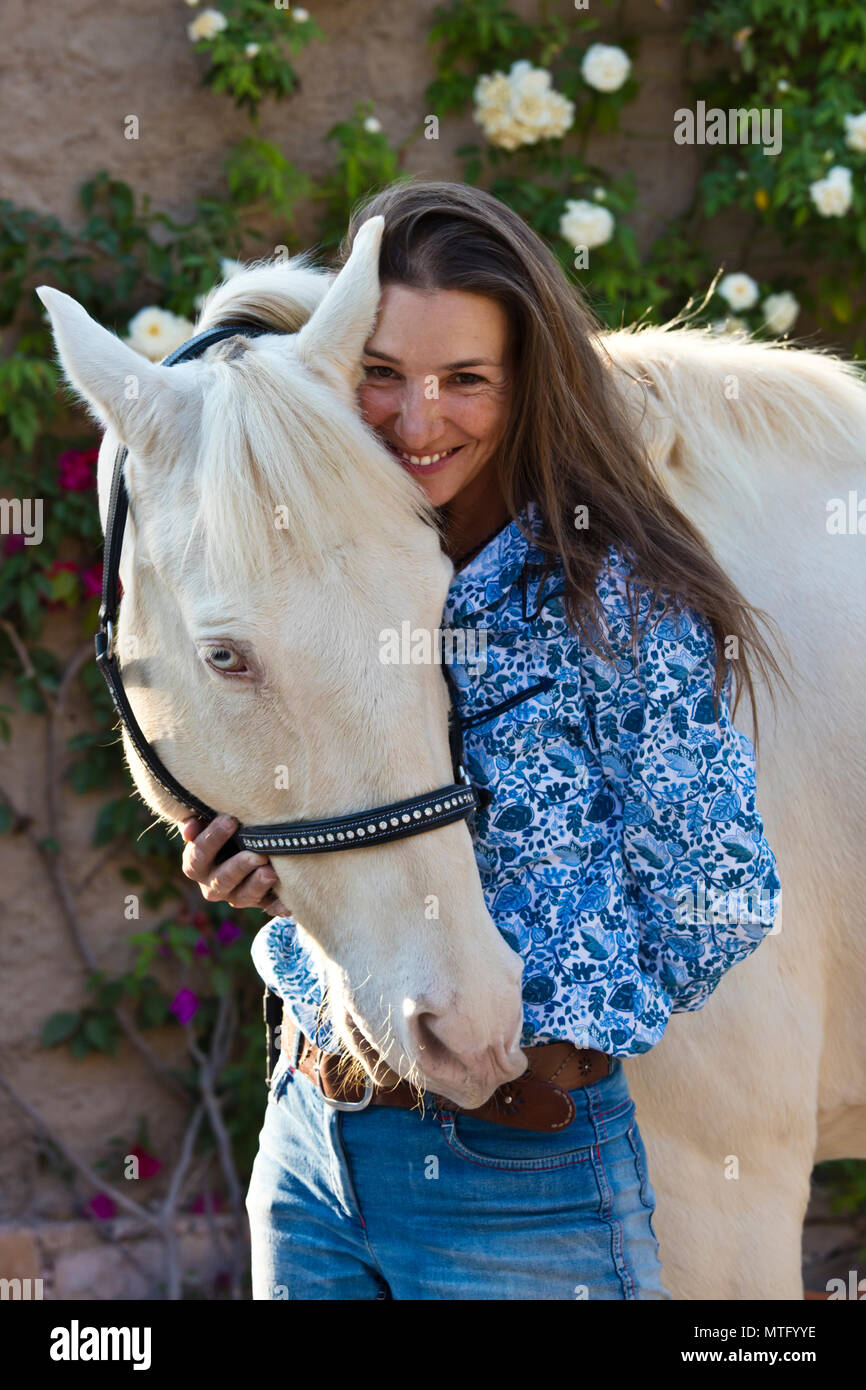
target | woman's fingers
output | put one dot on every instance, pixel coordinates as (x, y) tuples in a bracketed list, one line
[(250, 891), (242, 880)]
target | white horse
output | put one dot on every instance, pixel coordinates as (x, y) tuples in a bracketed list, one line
[(762, 447), (753, 442)]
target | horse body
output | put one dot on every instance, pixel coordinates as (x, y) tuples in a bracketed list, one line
[(755, 443), (751, 441)]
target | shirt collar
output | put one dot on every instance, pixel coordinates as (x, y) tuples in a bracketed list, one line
[(505, 570)]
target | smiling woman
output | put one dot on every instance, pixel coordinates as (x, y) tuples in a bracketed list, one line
[(485, 376), (482, 346), (442, 420)]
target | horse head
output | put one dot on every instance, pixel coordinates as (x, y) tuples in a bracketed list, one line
[(272, 540)]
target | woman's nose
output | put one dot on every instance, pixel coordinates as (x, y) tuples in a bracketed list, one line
[(418, 417)]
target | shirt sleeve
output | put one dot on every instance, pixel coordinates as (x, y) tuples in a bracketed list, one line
[(697, 867)]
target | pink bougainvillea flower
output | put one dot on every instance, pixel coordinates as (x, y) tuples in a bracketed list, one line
[(102, 1206), (147, 1164), (227, 931), (76, 469), (207, 1201), (91, 579), (184, 1005), (14, 542), (202, 947)]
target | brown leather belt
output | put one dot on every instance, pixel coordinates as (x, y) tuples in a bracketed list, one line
[(534, 1101)]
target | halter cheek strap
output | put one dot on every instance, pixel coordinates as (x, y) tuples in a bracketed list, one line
[(395, 821)]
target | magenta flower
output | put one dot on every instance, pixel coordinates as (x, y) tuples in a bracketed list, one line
[(14, 542), (91, 580), (184, 1005), (227, 932), (102, 1206), (76, 469), (147, 1164), (202, 947), (207, 1201)]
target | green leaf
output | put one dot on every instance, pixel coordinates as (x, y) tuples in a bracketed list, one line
[(840, 303), (221, 979), (58, 1028), (99, 1031)]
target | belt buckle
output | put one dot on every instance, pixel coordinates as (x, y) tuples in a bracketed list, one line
[(362, 1104)]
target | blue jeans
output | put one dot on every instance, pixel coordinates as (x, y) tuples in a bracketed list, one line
[(387, 1203)]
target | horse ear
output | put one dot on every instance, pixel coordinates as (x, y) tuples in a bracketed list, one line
[(335, 335), (123, 389)]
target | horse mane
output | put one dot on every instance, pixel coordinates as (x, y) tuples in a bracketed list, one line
[(280, 294), (806, 401), (283, 456)]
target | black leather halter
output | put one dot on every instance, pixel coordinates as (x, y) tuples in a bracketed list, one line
[(396, 821)]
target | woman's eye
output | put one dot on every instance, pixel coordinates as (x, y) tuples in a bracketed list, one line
[(224, 659), (378, 367), (460, 378)]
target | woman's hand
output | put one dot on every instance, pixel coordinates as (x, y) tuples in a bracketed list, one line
[(244, 880)]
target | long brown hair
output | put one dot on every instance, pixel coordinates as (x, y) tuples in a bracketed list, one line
[(569, 441)]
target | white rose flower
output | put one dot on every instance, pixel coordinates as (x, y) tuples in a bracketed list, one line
[(586, 224), (191, 3), (780, 311), (251, 49), (832, 194), (605, 67), (855, 137), (783, 84), (372, 125), (523, 77), (599, 193), (520, 108), (206, 25), (492, 93), (300, 15), (156, 332), (739, 290), (509, 136), (560, 114)]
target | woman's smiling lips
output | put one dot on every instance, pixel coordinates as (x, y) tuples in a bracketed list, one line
[(423, 463)]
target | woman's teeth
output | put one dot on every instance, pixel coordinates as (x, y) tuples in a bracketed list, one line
[(425, 459)]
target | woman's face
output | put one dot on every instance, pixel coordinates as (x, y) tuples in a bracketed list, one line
[(437, 382)]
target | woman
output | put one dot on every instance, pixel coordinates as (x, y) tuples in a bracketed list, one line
[(485, 377)]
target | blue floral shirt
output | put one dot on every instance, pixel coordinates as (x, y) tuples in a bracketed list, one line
[(621, 853)]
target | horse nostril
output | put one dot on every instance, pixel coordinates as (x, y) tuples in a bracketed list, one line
[(434, 1050), (426, 1030)]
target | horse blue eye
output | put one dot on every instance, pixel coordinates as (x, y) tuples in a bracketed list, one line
[(224, 658)]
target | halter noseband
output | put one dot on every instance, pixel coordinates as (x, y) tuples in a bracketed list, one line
[(396, 821)]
